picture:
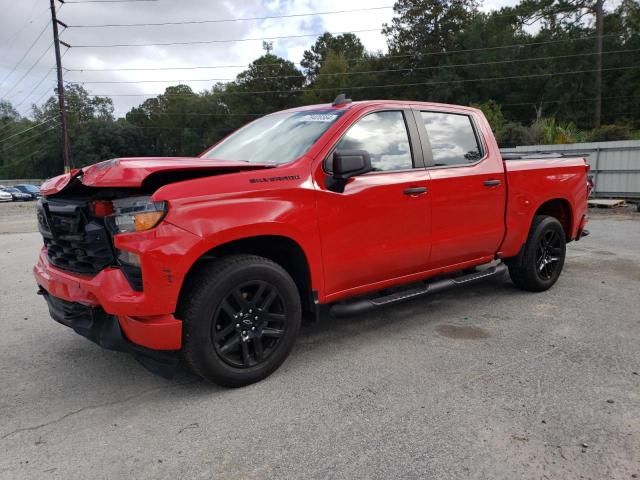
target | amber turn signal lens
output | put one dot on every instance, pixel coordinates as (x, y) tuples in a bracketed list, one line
[(146, 220)]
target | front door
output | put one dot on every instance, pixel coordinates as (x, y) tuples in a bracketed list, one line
[(378, 227)]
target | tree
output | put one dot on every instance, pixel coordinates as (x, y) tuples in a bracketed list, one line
[(534, 84), (428, 25), (330, 80), (568, 13), (346, 45), (7, 112), (493, 112), (270, 83)]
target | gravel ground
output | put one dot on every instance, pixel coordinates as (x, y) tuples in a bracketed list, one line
[(18, 217), (487, 382)]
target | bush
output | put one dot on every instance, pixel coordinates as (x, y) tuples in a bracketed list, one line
[(513, 134), (607, 133)]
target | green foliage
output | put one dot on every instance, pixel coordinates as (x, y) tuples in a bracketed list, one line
[(535, 85), (276, 79), (606, 133), (513, 134), (331, 78), (428, 25), (7, 113), (547, 131), (493, 112), (346, 45)]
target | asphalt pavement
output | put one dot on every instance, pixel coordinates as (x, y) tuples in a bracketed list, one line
[(486, 382)]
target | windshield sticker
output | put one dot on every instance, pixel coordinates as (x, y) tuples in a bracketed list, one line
[(320, 117)]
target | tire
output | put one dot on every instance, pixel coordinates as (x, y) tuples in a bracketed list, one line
[(237, 351), (540, 262)]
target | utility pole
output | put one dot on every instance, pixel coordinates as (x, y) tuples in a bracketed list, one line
[(61, 105), (599, 34)]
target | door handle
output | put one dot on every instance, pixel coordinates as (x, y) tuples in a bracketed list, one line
[(492, 183), (413, 191)]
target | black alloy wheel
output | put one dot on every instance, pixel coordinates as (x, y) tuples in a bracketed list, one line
[(539, 264), (241, 315), (249, 324), (548, 254)]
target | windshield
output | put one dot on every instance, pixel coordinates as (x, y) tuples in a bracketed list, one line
[(27, 188), (276, 138)]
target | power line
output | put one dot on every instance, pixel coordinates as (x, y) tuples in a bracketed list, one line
[(200, 42), (39, 83), (30, 138), (364, 87), (367, 72), (23, 159), (226, 20), (25, 130), (107, 1), (8, 41), (146, 127), (43, 94), (25, 54), (566, 101), (16, 83), (35, 87), (13, 127), (199, 114), (417, 56)]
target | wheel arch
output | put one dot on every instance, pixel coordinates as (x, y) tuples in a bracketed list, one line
[(283, 250), (560, 209)]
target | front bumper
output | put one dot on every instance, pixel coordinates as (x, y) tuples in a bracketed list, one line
[(105, 330), (141, 319)]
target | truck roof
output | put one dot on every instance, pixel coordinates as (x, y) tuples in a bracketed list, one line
[(364, 103)]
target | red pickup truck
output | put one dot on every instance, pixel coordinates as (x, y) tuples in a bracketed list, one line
[(214, 260)]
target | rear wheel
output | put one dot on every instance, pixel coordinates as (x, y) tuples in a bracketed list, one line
[(240, 320), (540, 263)]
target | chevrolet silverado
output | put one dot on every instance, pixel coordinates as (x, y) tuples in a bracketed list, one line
[(214, 260)]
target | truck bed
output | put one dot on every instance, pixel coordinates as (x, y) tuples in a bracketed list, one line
[(536, 180)]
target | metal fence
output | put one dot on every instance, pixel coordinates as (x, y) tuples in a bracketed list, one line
[(19, 181), (615, 166)]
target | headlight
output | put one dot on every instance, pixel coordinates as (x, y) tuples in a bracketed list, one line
[(136, 214)]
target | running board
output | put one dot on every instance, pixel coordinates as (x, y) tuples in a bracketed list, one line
[(366, 304)]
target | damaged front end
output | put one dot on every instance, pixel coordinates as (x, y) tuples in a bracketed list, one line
[(110, 266)]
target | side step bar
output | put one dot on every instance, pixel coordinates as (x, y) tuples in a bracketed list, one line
[(367, 304)]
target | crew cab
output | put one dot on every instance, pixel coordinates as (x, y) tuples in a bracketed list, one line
[(214, 260)]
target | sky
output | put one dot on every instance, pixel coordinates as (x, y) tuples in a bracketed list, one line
[(28, 76)]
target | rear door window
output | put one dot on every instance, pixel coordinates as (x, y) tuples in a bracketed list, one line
[(452, 137)]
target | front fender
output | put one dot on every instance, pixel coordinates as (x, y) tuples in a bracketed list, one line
[(229, 218)]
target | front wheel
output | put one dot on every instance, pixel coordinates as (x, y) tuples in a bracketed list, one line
[(540, 263), (240, 320)]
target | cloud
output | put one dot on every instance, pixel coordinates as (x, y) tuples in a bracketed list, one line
[(22, 21)]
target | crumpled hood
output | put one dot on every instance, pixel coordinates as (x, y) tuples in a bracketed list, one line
[(131, 172)]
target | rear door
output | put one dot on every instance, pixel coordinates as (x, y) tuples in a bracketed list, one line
[(378, 227), (467, 187)]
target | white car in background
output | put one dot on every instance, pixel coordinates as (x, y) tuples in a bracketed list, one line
[(5, 196)]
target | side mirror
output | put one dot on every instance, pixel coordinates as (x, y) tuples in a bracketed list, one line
[(349, 163)]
